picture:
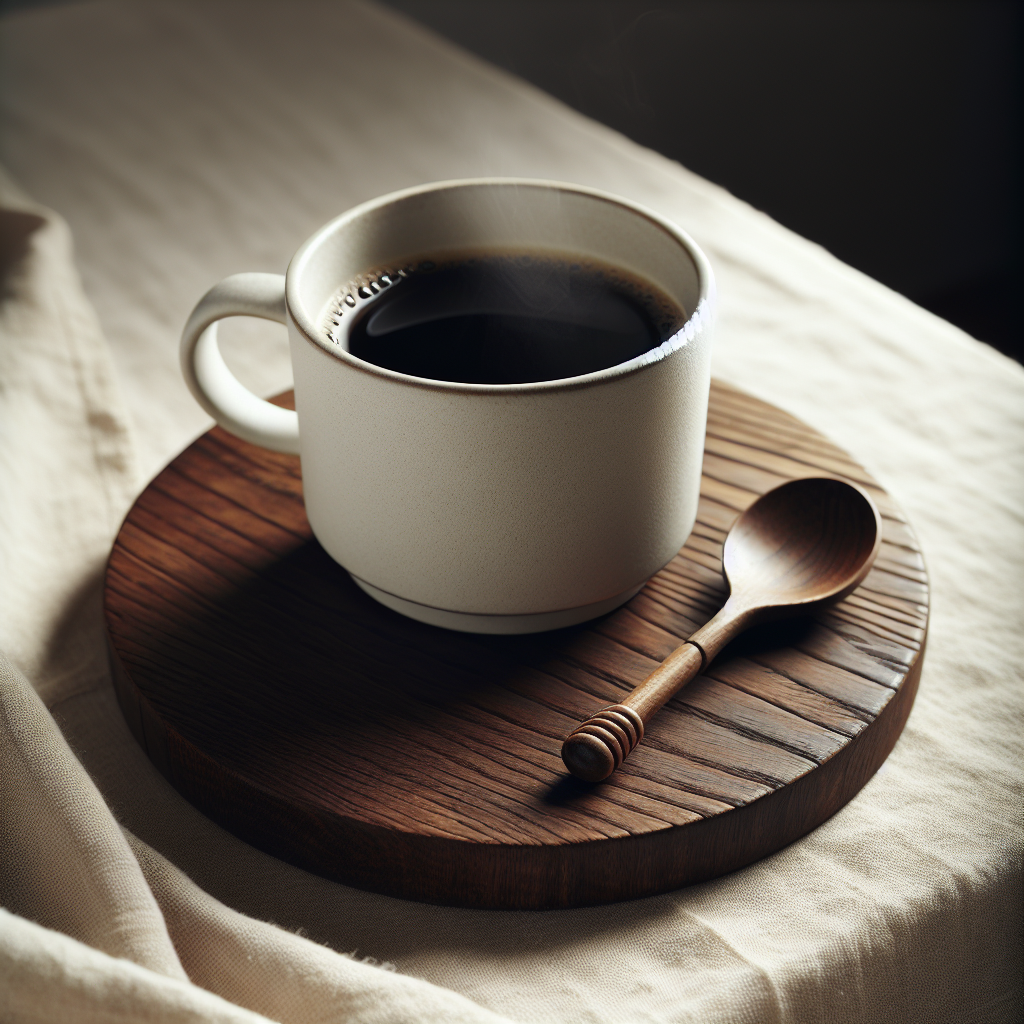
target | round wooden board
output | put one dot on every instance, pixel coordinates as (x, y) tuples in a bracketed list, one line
[(327, 730)]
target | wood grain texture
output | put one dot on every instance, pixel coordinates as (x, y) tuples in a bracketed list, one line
[(331, 732)]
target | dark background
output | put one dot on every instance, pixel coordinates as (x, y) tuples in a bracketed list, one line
[(889, 132)]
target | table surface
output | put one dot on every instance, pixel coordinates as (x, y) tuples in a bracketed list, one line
[(208, 142)]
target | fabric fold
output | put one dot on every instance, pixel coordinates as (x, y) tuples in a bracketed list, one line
[(45, 977), (63, 861), (288, 978)]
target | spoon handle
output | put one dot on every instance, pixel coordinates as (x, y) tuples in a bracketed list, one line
[(596, 748)]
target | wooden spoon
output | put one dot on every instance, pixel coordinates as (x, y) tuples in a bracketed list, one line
[(801, 545)]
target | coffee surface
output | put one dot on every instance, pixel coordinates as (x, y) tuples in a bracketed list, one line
[(501, 318)]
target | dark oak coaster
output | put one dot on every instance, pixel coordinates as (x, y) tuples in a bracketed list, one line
[(329, 731)]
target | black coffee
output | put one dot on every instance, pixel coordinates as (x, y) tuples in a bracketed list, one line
[(501, 319)]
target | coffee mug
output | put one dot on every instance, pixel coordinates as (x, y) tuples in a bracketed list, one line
[(482, 507)]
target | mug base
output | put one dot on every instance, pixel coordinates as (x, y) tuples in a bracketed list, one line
[(467, 622)]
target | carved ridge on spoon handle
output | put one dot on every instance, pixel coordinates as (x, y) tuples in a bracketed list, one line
[(593, 750)]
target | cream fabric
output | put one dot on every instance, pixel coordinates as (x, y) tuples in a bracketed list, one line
[(186, 141)]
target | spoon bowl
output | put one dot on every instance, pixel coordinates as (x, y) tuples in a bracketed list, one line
[(803, 544)]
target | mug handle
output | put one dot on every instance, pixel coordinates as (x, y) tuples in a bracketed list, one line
[(214, 386)]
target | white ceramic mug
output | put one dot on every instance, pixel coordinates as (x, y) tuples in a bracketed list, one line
[(490, 508)]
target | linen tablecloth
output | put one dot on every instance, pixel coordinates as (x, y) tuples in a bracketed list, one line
[(185, 141)]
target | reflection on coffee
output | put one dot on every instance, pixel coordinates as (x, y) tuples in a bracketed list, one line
[(505, 318)]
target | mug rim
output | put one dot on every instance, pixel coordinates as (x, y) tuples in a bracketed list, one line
[(696, 322)]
